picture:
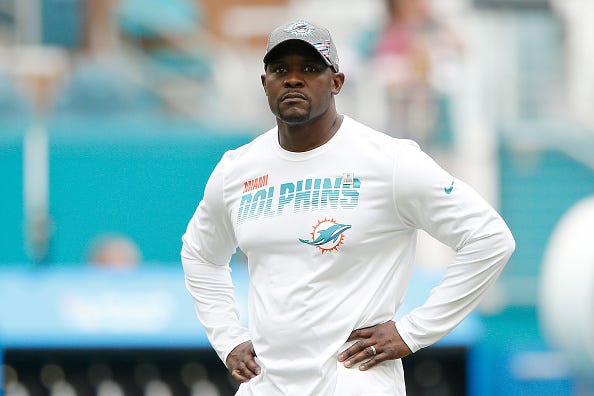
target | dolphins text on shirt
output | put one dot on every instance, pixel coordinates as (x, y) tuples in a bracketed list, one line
[(299, 196)]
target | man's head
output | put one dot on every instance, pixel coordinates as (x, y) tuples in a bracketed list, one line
[(317, 37), (301, 77)]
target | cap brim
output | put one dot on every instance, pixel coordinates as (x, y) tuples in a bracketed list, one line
[(276, 47)]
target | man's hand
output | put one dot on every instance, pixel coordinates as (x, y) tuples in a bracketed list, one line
[(241, 363), (374, 345)]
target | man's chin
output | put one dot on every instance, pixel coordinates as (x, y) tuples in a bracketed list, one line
[(294, 118)]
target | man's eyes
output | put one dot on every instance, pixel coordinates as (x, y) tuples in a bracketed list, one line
[(307, 69)]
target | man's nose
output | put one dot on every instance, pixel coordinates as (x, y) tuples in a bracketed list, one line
[(294, 79)]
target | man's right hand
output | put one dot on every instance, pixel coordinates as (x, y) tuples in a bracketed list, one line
[(241, 362)]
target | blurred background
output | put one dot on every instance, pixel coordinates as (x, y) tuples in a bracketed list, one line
[(114, 112)]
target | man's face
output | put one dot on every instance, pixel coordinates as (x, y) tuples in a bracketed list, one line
[(298, 83)]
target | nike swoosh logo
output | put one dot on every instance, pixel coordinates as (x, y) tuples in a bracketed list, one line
[(450, 188)]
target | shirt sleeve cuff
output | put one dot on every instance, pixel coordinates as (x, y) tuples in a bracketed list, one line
[(239, 340), (401, 327)]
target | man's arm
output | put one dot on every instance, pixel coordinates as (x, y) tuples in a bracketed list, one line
[(208, 245), (212, 289), (476, 266), (429, 198)]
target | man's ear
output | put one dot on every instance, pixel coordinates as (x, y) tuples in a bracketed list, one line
[(337, 83), (263, 78)]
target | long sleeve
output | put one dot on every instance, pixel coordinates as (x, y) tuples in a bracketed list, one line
[(208, 244), (428, 198)]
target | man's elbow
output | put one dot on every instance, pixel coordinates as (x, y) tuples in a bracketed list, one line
[(508, 243)]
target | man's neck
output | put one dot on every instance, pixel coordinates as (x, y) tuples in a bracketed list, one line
[(309, 135)]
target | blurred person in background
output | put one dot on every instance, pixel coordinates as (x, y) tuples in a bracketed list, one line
[(327, 212), (414, 54), (113, 251)]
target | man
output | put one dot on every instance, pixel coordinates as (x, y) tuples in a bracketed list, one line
[(327, 212)]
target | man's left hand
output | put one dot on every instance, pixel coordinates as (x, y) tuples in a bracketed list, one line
[(374, 345)]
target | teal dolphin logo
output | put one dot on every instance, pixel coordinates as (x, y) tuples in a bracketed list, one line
[(327, 235), (450, 188)]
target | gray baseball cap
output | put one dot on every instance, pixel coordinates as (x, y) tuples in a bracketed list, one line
[(316, 36)]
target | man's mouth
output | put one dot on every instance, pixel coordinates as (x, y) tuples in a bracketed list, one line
[(293, 97)]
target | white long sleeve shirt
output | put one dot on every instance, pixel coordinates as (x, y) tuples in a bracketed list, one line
[(330, 238)]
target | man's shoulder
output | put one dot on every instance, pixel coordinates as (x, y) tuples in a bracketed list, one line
[(369, 134), (258, 145)]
